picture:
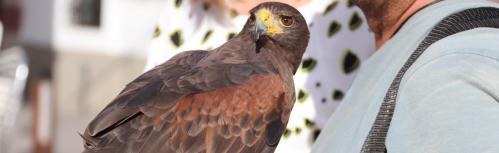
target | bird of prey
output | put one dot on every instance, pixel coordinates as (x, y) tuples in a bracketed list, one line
[(236, 98)]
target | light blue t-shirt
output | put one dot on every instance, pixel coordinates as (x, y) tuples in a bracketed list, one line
[(448, 100)]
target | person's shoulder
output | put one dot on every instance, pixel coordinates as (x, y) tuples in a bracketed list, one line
[(452, 88), (475, 47), (468, 58), (453, 85), (475, 42)]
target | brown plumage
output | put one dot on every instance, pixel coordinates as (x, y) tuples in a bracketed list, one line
[(236, 98)]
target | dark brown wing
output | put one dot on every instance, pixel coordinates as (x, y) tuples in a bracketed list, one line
[(247, 118), (146, 89)]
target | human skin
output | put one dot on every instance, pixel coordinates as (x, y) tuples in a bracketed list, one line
[(385, 17)]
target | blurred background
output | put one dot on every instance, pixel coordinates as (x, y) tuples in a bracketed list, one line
[(62, 61)]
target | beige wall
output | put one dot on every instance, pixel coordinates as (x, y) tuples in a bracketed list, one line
[(84, 84)]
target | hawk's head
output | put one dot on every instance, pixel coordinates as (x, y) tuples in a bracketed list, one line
[(278, 22), (280, 30)]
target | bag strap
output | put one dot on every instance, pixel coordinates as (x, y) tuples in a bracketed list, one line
[(458, 22)]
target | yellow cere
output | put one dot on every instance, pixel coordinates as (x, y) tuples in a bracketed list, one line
[(269, 21)]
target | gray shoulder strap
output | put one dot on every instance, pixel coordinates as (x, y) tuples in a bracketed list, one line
[(458, 22)]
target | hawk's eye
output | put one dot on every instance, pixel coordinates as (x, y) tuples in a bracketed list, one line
[(286, 20)]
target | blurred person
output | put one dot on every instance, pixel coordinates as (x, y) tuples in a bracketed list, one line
[(340, 40), (1, 33), (432, 85)]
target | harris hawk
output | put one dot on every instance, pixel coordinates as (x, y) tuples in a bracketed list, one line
[(236, 98)]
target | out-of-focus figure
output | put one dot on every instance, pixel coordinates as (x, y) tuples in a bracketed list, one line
[(1, 34), (340, 41), (13, 75)]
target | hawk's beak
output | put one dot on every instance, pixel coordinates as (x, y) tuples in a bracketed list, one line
[(260, 29), (265, 24)]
